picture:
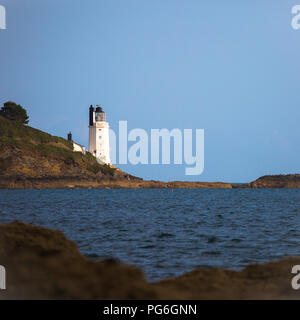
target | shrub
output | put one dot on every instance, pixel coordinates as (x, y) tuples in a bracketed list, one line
[(105, 169), (15, 112), (95, 168), (69, 160)]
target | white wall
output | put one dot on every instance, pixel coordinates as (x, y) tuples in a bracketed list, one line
[(99, 141), (78, 148)]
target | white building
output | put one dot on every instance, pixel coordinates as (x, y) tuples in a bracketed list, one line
[(76, 146), (99, 135)]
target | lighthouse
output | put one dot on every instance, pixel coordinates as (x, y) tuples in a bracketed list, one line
[(99, 135)]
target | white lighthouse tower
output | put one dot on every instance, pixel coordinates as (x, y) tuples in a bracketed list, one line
[(99, 135)]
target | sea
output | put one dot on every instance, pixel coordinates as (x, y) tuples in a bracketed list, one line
[(167, 232)]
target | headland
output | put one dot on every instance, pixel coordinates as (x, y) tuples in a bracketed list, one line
[(33, 159)]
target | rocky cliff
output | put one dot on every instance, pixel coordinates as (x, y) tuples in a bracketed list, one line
[(276, 181), (31, 158)]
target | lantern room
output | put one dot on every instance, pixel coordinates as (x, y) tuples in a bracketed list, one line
[(99, 114)]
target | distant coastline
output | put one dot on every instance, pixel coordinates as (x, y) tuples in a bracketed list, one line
[(33, 159), (125, 181)]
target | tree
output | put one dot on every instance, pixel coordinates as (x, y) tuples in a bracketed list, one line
[(15, 112)]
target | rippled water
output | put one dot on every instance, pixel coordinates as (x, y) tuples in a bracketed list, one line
[(167, 232)]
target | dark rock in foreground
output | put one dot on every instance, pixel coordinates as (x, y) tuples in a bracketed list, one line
[(43, 264)]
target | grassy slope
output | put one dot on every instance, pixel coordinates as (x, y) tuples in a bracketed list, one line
[(38, 144)]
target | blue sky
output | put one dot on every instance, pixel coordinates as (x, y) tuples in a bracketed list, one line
[(228, 67)]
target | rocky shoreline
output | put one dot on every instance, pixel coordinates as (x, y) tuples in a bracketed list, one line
[(81, 181), (33, 159), (122, 180), (43, 264), (276, 181)]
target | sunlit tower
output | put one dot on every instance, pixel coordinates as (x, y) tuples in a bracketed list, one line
[(99, 135)]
